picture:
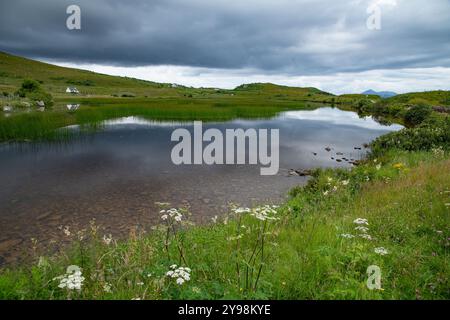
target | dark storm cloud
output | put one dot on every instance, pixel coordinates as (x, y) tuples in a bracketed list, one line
[(294, 37)]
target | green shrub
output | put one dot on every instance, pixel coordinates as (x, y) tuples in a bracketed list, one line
[(41, 96), (433, 133), (32, 90), (417, 114)]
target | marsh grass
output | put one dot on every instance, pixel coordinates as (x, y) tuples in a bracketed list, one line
[(48, 125)]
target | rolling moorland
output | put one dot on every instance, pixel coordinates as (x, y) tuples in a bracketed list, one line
[(392, 210)]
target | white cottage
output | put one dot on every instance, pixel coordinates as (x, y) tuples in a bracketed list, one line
[(72, 90)]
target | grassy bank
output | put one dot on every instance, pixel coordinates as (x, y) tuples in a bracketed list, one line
[(392, 212)]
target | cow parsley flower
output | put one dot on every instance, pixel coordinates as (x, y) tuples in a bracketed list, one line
[(241, 210), (238, 237), (366, 236), (362, 229), (181, 274), (381, 251), (107, 239), (67, 231), (72, 280), (172, 214), (107, 288), (345, 182), (347, 236), (361, 221), (264, 213)]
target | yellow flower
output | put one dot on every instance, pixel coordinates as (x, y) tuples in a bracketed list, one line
[(399, 165)]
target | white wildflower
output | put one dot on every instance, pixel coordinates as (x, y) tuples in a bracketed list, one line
[(107, 288), (72, 280), (107, 239), (67, 231), (264, 213), (361, 221), (326, 193), (181, 274), (214, 219), (378, 166), (362, 229), (174, 214), (381, 251), (347, 236), (235, 238), (345, 182), (241, 210), (366, 236)]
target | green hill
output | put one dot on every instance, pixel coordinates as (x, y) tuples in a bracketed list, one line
[(434, 98), (55, 79)]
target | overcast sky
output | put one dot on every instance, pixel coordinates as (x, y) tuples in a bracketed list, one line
[(224, 43)]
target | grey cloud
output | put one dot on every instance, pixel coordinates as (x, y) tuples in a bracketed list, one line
[(298, 37)]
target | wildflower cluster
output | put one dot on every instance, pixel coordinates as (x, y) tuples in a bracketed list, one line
[(181, 274), (265, 213), (381, 251), (72, 280), (438, 152), (363, 229), (172, 214), (333, 185), (262, 213)]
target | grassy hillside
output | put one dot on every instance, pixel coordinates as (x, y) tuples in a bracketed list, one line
[(434, 98), (55, 79)]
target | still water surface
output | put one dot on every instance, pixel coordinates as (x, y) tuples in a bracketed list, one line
[(117, 174)]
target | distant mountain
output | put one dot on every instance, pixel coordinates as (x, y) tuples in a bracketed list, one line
[(382, 94)]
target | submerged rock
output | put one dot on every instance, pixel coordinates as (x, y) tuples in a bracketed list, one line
[(301, 173)]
